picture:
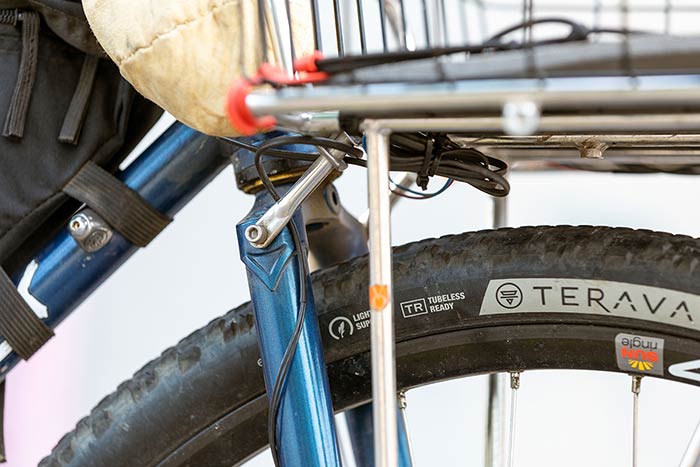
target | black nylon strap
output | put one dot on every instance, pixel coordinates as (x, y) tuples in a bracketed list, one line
[(120, 206), (19, 105), (19, 325), (73, 122)]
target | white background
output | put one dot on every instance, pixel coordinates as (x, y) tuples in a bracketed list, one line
[(192, 274)]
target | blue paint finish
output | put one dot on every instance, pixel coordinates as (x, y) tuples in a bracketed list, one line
[(404, 446), (168, 174), (361, 432), (268, 264), (306, 426), (359, 422)]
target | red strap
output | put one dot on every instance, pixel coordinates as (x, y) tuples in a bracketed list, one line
[(308, 63), (305, 72), (242, 119)]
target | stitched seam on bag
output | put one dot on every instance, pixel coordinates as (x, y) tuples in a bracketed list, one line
[(177, 26)]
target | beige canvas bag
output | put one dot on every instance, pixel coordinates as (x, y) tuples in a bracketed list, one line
[(184, 54)]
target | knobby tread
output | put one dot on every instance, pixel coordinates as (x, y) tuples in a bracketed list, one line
[(225, 350)]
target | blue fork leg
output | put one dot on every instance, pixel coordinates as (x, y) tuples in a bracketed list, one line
[(359, 422), (306, 432), (327, 252)]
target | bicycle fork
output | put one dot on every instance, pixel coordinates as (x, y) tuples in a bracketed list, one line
[(306, 434), (305, 419)]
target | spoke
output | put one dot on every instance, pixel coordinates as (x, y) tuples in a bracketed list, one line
[(514, 386), (347, 454), (691, 458), (636, 386), (497, 417)]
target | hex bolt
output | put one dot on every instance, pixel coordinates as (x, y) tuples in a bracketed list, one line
[(79, 225), (255, 234)]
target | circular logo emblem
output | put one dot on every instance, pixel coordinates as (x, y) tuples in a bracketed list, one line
[(340, 327), (509, 295)]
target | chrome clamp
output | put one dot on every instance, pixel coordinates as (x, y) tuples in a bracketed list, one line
[(263, 232)]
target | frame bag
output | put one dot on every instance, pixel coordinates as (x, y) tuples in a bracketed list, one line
[(67, 119)]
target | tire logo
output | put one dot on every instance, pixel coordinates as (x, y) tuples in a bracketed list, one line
[(509, 295), (340, 327)]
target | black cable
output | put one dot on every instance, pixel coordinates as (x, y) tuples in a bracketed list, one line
[(494, 44), (578, 32), (466, 165), (288, 357), (304, 156), (622, 31)]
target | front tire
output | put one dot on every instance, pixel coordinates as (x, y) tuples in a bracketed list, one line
[(202, 402)]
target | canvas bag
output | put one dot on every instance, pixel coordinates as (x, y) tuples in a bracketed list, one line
[(185, 54)]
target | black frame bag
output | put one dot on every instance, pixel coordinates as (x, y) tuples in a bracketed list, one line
[(62, 104), (67, 119)]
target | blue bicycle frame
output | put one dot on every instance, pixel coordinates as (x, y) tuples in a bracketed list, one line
[(168, 175)]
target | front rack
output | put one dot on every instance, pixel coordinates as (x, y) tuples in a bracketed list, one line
[(645, 120), (540, 101)]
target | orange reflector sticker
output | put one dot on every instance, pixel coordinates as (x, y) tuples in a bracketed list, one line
[(378, 297)]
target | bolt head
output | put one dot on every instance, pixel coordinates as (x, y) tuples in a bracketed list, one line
[(79, 225), (255, 234)]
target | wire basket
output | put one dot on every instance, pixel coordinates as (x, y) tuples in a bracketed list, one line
[(346, 29), (359, 27)]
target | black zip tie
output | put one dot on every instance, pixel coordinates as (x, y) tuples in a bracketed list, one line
[(422, 178), (431, 159), (438, 146), (9, 17)]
